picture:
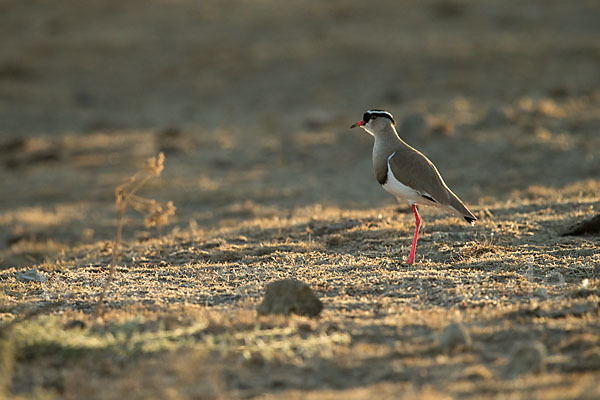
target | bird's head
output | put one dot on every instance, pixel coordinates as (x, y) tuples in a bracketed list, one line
[(375, 121)]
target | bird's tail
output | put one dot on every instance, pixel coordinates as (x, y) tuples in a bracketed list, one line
[(462, 210), (470, 219)]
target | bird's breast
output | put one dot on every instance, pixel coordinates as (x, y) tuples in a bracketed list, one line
[(380, 163)]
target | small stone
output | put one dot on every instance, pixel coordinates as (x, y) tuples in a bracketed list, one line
[(290, 296), (589, 226), (31, 275), (454, 337), (526, 357)]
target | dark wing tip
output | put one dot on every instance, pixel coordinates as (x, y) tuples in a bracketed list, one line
[(469, 219)]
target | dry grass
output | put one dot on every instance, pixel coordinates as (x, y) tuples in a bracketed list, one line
[(155, 214), (184, 303)]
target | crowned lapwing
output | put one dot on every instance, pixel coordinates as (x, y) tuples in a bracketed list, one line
[(406, 173)]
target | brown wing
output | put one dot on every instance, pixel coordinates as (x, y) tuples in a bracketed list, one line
[(415, 170)]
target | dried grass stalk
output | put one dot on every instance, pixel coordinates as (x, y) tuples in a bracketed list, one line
[(155, 213)]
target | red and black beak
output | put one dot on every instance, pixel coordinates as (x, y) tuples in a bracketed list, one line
[(359, 123)]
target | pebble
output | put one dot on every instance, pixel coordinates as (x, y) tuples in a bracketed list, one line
[(31, 275), (526, 357), (454, 337)]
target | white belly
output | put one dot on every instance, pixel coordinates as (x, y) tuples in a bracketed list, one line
[(402, 192)]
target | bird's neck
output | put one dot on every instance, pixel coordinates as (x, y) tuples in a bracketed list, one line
[(387, 141)]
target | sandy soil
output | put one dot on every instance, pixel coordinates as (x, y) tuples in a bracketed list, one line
[(251, 104)]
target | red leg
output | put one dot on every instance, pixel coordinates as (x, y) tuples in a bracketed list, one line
[(411, 256)]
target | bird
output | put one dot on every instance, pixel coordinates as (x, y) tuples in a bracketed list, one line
[(406, 173)]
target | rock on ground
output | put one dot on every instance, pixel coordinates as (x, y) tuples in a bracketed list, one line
[(290, 296), (526, 357), (31, 275), (588, 226), (454, 337)]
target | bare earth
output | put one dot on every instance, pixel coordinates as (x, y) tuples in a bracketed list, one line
[(251, 104)]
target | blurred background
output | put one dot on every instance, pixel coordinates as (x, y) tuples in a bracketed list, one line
[(251, 102)]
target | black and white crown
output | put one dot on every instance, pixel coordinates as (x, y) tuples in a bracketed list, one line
[(370, 114)]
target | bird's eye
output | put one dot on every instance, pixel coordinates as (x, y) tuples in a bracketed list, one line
[(373, 116)]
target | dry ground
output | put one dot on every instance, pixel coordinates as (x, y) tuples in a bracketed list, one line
[(251, 103)]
